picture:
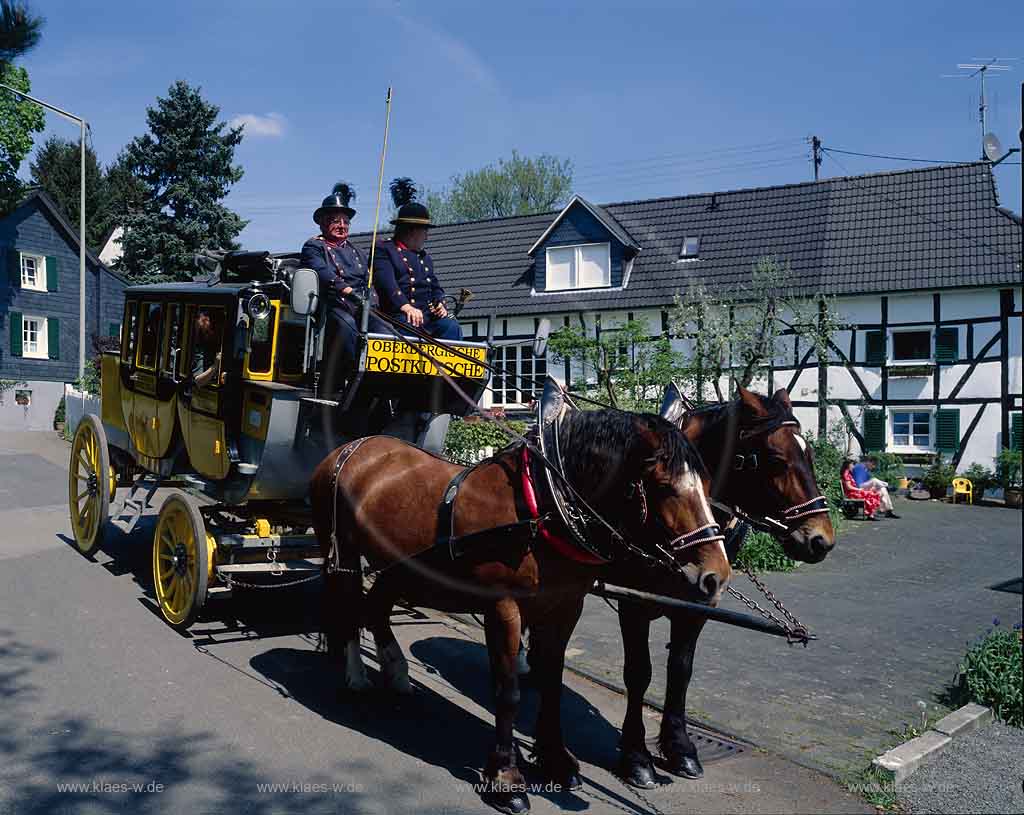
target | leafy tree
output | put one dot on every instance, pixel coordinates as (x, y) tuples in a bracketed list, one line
[(627, 366), (515, 186), (19, 119), (125, 192), (19, 30), (57, 169), (185, 165), (737, 332)]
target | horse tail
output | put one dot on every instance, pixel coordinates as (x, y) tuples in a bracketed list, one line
[(341, 600)]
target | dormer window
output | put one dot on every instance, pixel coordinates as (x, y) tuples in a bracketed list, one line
[(691, 247), (584, 266)]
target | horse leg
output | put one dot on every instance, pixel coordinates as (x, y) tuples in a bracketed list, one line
[(342, 598), (394, 668), (506, 790), (679, 752), (636, 765), (548, 641)]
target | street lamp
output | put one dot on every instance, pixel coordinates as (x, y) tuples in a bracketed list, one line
[(81, 222)]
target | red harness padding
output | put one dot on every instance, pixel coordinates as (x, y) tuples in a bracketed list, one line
[(558, 543)]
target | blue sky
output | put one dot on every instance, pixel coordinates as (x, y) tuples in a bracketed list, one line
[(646, 99)]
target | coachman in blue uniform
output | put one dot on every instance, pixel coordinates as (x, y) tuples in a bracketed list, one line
[(404, 275), (342, 270)]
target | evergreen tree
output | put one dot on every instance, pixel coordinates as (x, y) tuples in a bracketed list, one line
[(19, 119), (57, 169), (19, 30), (184, 164)]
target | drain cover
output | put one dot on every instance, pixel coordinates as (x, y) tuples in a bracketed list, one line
[(710, 746)]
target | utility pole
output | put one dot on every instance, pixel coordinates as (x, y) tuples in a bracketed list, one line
[(816, 154), (83, 125)]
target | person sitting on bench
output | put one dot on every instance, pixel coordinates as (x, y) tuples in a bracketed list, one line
[(853, 492)]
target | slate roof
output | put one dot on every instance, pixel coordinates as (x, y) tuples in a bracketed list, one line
[(929, 228)]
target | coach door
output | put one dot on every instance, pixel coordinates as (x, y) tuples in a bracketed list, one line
[(201, 403)]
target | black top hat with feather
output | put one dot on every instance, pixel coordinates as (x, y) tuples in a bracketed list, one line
[(339, 199), (410, 211)]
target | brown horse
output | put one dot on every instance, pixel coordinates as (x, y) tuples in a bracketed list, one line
[(762, 465), (385, 506)]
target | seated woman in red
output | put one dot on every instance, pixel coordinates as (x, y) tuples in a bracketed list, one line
[(872, 500)]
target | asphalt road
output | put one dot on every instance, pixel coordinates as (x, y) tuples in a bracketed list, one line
[(98, 692), (894, 606)]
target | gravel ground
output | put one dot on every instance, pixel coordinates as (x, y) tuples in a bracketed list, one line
[(982, 772)]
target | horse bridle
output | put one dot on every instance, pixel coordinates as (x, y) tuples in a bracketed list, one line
[(766, 523), (702, 535)]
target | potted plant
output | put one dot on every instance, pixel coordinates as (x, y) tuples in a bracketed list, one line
[(1008, 473), (981, 478), (938, 477)]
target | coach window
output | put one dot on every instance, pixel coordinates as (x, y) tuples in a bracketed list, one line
[(172, 340), (149, 336), (207, 340), (128, 330)]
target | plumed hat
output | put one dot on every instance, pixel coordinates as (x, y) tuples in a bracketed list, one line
[(410, 211), (339, 199)]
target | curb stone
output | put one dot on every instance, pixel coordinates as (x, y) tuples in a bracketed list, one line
[(903, 760)]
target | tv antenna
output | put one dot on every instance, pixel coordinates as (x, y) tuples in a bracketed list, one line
[(980, 67)]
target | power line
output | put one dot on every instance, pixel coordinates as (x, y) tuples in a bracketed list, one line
[(898, 158)]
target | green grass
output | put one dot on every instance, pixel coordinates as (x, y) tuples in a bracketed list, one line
[(990, 674), (762, 553)]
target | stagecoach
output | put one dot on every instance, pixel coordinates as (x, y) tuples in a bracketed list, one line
[(217, 390)]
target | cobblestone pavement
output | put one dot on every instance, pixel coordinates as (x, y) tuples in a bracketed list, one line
[(893, 606)]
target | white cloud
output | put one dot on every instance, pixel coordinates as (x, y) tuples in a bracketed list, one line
[(271, 125)]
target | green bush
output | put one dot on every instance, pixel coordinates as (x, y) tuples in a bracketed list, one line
[(1008, 468), (828, 458), (981, 477), (464, 438), (889, 468), (762, 553), (990, 674), (59, 414), (939, 475)]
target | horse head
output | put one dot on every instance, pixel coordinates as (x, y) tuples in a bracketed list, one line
[(649, 481), (766, 467)]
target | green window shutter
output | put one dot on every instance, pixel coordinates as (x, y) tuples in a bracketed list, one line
[(947, 431), (14, 267), (114, 330), (947, 341), (15, 318), (874, 430), (874, 348), (53, 338), (51, 273), (1016, 439)]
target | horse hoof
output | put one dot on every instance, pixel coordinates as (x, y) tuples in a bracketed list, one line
[(637, 770), (572, 782), (357, 684), (507, 801), (685, 766)]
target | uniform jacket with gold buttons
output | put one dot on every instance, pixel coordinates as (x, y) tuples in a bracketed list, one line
[(402, 276)]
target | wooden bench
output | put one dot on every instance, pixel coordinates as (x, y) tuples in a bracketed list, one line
[(853, 507)]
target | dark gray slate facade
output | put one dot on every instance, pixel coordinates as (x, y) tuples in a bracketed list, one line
[(37, 227)]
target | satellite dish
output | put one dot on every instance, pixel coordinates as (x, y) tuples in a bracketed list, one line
[(993, 147)]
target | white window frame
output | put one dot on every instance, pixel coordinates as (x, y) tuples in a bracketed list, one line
[(891, 345), (909, 448), (518, 385), (40, 271), (42, 350), (574, 273)]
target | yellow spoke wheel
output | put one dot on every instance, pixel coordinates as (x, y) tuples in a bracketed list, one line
[(182, 561), (88, 484)]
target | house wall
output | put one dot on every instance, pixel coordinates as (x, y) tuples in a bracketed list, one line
[(973, 385), (578, 226)]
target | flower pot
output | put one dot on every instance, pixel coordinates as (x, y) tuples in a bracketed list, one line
[(1012, 497)]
